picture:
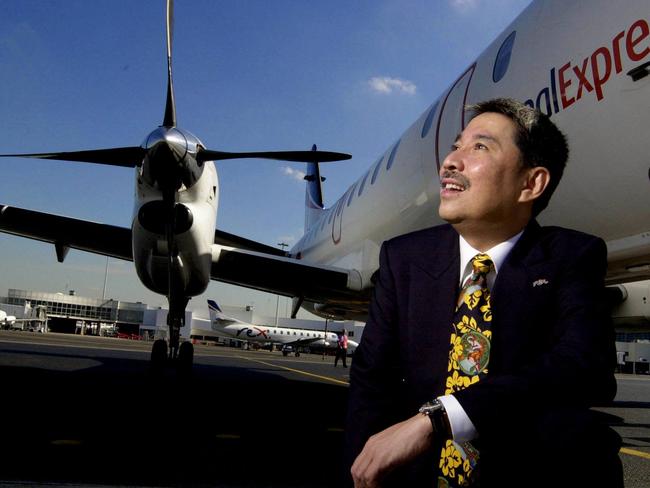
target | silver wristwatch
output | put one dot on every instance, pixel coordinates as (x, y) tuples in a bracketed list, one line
[(436, 412), (431, 406)]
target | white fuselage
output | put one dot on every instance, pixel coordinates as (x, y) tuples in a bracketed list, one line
[(276, 335), (7, 319), (571, 61), (194, 238)]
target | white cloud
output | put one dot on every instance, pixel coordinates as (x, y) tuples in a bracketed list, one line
[(293, 173), (386, 84), (463, 6)]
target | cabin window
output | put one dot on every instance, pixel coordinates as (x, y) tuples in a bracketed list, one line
[(391, 158), (363, 183), (351, 195), (376, 171), (429, 120), (502, 60)]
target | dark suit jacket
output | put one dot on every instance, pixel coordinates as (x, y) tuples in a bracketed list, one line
[(552, 353)]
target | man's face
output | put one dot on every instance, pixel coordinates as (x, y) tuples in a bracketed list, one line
[(481, 179)]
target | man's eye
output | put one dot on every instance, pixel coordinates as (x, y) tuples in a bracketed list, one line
[(480, 146), (454, 147)]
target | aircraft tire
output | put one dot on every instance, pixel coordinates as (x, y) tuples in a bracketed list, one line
[(185, 357), (159, 354)]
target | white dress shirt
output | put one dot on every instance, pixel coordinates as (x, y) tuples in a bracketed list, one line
[(462, 428)]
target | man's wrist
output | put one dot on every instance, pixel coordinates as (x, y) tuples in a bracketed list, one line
[(437, 414)]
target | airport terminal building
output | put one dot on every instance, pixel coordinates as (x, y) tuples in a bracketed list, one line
[(82, 315)]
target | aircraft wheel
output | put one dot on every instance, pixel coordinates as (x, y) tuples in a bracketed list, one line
[(159, 353), (185, 357), (297, 354)]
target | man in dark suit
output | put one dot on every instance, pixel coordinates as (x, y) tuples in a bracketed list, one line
[(438, 398)]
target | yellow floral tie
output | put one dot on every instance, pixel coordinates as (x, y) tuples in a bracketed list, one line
[(469, 355)]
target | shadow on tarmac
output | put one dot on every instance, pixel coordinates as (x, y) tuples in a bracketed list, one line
[(114, 422)]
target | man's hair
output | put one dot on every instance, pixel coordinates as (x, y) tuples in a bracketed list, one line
[(539, 140)]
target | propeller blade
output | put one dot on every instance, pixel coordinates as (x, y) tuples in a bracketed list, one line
[(128, 157), (295, 156), (170, 106)]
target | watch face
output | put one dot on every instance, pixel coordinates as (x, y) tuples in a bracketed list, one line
[(430, 407)]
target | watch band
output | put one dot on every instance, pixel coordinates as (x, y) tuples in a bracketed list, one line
[(436, 412)]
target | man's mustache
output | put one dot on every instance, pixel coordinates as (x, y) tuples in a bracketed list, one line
[(457, 177)]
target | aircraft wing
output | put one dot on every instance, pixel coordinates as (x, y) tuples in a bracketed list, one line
[(305, 341), (287, 276), (235, 260), (66, 232)]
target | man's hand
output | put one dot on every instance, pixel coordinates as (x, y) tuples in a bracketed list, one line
[(391, 448)]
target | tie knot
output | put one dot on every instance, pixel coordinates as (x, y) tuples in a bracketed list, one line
[(482, 264)]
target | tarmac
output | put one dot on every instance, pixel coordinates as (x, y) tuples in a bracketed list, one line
[(80, 411)]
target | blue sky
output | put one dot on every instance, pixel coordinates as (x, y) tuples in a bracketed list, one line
[(248, 75)]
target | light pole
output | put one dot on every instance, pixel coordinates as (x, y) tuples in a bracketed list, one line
[(105, 280), (277, 301)]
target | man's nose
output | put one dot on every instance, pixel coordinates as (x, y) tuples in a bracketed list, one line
[(453, 161)]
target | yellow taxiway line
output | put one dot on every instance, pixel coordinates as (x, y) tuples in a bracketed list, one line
[(634, 452), (326, 378)]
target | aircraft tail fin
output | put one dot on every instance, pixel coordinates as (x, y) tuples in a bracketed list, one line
[(218, 319), (215, 310), (313, 193)]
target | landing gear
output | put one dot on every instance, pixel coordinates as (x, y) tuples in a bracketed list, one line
[(185, 358), (172, 352), (159, 354)]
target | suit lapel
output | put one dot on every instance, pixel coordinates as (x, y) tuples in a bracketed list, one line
[(433, 288)]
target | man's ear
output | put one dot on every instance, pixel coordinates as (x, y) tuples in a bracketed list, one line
[(534, 184)]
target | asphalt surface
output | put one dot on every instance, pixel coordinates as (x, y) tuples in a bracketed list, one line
[(84, 411)]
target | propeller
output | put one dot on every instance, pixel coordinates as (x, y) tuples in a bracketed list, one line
[(129, 157), (295, 156), (170, 106)]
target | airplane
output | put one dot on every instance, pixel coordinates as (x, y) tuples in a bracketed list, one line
[(586, 64), (10, 321), (7, 320), (171, 240), (238, 329)]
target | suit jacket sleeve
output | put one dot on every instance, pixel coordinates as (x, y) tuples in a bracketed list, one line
[(374, 376), (570, 343)]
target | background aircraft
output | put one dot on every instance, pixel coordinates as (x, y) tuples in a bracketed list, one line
[(585, 64), (35, 319), (7, 320), (264, 334)]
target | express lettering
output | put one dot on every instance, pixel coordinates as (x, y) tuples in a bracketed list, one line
[(591, 74)]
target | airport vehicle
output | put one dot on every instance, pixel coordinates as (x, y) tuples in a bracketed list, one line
[(290, 338), (584, 63)]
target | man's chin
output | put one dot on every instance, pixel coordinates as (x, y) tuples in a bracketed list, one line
[(448, 216)]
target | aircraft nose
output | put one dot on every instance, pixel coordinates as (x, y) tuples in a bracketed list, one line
[(166, 143), (170, 160)]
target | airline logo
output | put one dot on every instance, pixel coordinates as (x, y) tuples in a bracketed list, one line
[(214, 307), (253, 332), (575, 80)]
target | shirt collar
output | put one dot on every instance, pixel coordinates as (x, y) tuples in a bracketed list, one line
[(498, 253)]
